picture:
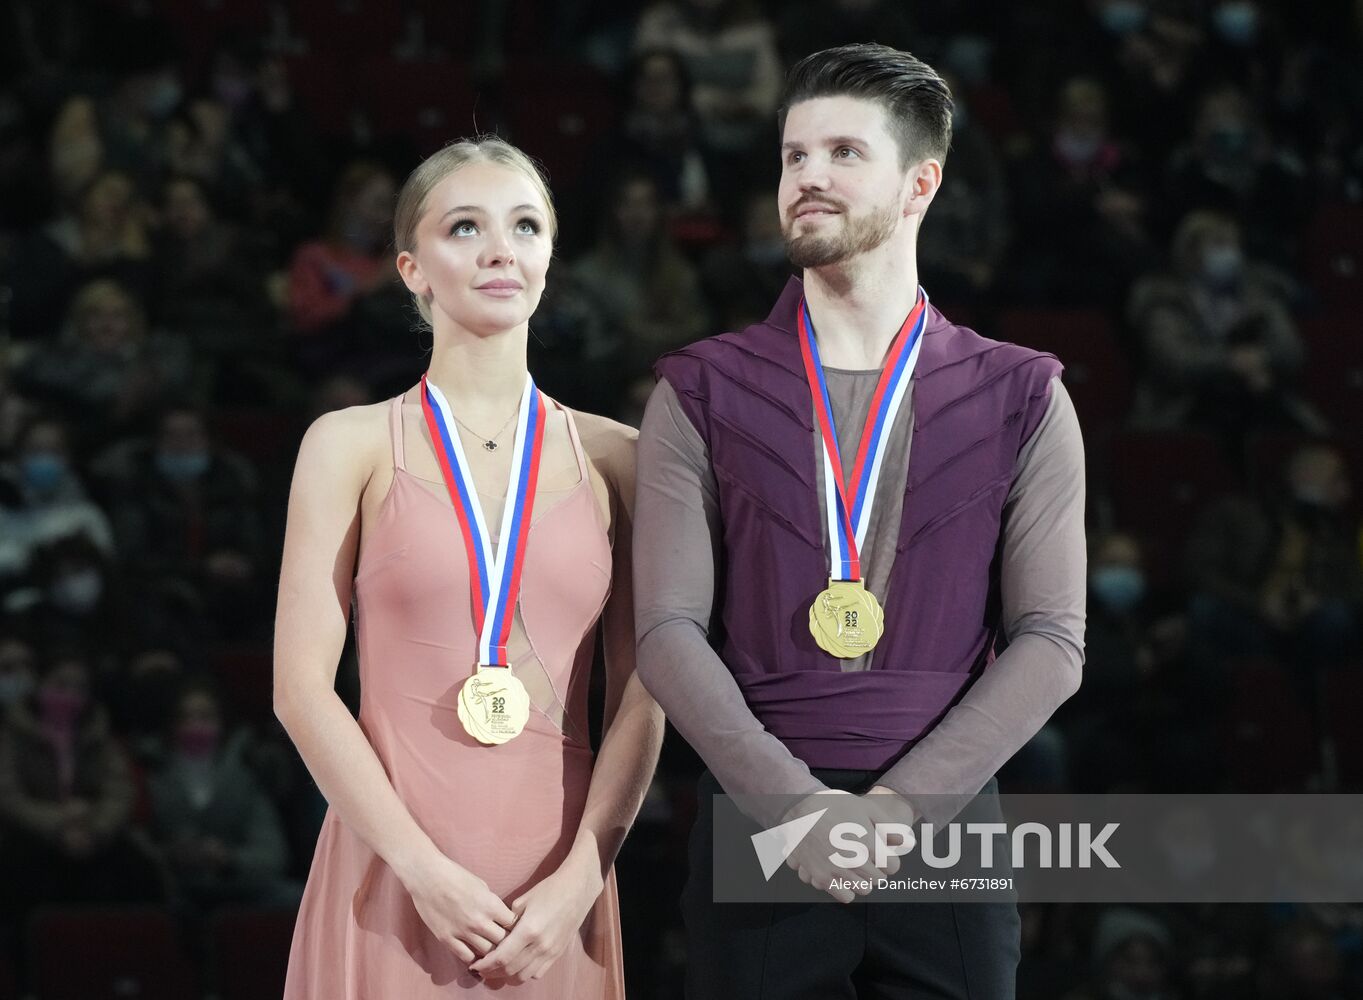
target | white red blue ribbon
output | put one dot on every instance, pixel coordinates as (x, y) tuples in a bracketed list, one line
[(848, 502), (494, 577)]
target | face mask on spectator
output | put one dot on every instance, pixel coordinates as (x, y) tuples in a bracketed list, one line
[(1237, 23), (1119, 588), (60, 707), (1221, 265), (1123, 16), (43, 471), (14, 687), (198, 739), (182, 465), (78, 593)]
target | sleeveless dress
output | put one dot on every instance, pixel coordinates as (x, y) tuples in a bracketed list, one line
[(507, 813)]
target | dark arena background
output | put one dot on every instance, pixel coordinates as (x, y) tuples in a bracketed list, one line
[(196, 260)]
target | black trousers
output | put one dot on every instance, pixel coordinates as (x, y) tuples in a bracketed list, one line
[(832, 951)]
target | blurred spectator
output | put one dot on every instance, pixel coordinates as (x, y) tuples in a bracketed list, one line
[(810, 25), (647, 291), (340, 285), (199, 143), (660, 134), (730, 48), (1085, 191), (327, 276), (184, 508), (42, 498), (1302, 964), (107, 238), (1132, 958), (16, 411), (743, 281), (18, 672), (574, 349), (217, 827), (141, 699), (108, 370), (75, 154), (1233, 165), (71, 600), (281, 139), (1138, 687), (208, 286), (963, 238), (1218, 344), (66, 800), (1280, 576), (1149, 59)]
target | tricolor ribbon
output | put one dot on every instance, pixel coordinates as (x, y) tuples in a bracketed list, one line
[(494, 578), (848, 503)]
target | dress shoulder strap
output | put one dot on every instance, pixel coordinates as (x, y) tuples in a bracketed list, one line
[(395, 427), (576, 439)]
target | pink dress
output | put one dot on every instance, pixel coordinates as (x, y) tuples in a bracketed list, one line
[(508, 813)]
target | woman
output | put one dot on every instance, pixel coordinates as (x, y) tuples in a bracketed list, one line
[(67, 795), (211, 816), (446, 863)]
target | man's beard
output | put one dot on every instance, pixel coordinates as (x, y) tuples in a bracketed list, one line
[(857, 235)]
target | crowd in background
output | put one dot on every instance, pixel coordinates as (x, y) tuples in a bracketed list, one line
[(196, 259)]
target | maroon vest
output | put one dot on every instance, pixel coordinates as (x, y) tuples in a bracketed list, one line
[(975, 402)]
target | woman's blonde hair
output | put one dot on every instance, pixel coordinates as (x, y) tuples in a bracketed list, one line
[(439, 165)]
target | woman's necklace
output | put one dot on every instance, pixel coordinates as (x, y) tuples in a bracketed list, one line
[(489, 443)]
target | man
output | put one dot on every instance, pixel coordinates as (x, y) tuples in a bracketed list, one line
[(863, 501)]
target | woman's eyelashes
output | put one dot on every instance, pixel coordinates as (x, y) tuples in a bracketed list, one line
[(467, 227)]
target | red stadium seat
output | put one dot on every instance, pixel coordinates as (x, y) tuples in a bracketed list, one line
[(556, 114), (322, 89), (247, 677), (107, 952), (250, 949), (1096, 372), (262, 435), (430, 101), (1267, 740)]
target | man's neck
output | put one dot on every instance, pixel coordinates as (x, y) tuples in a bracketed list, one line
[(858, 308)]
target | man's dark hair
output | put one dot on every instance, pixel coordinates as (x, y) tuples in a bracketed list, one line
[(916, 100)]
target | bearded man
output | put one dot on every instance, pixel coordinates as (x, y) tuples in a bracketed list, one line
[(840, 511)]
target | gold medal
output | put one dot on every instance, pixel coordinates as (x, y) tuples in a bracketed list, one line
[(493, 705), (846, 620)]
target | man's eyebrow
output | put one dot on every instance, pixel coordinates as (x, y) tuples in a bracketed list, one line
[(833, 140)]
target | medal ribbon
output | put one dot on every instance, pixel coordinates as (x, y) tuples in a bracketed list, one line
[(494, 579), (848, 503)]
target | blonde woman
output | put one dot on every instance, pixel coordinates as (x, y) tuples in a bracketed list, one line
[(483, 530)]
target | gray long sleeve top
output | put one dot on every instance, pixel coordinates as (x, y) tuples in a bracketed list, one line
[(678, 554)]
